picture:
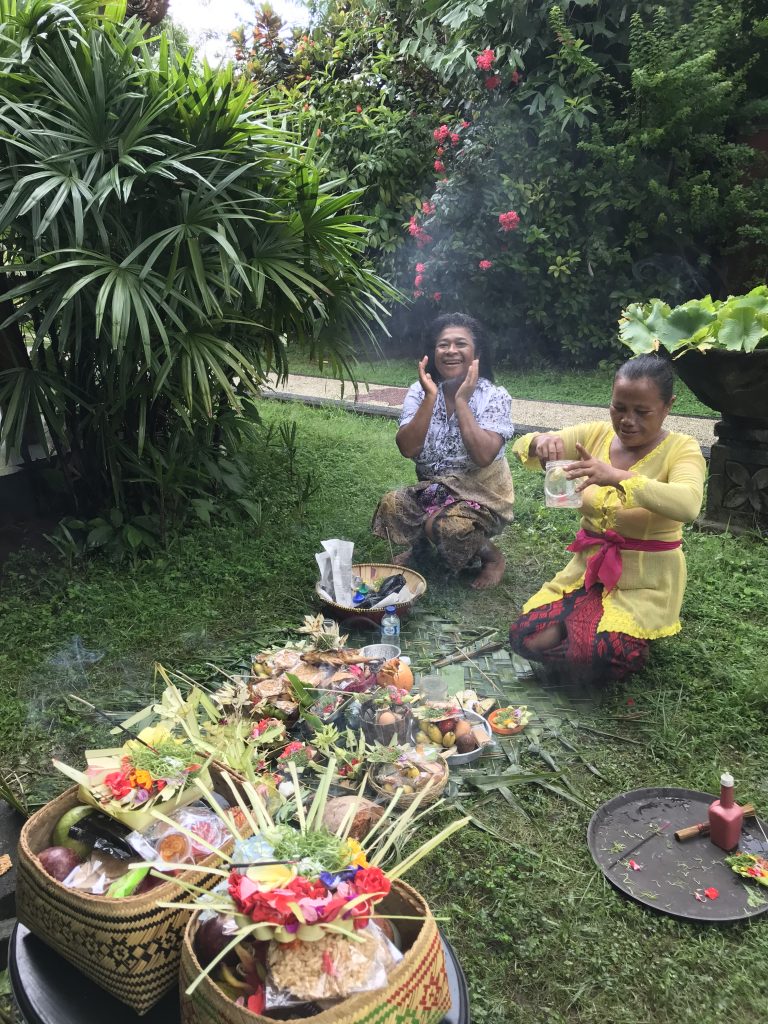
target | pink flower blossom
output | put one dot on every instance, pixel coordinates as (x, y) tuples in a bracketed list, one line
[(634, 865), (417, 294), (436, 296), (455, 139), (466, 124), (359, 109), (515, 77), (441, 134), (711, 893), (509, 221), (485, 60), (418, 280), (493, 82), (439, 166), (427, 208), (485, 264), (420, 268), (439, 150)]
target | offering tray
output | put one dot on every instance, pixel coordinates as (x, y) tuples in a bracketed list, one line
[(368, 572), (639, 826), (50, 991)]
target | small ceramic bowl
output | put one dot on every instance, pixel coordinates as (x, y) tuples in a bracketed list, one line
[(502, 730)]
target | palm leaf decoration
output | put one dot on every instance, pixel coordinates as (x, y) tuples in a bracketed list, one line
[(166, 242)]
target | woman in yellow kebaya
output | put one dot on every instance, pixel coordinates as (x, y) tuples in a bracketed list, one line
[(625, 583)]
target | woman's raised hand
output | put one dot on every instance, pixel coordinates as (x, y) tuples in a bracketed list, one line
[(593, 471), (467, 387), (547, 448), (425, 379)]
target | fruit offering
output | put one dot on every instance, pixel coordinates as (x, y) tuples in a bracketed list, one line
[(411, 772), (510, 719)]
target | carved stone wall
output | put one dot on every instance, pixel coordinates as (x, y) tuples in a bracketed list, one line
[(737, 495)]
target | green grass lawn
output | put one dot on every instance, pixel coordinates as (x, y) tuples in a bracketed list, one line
[(542, 937), (579, 387)]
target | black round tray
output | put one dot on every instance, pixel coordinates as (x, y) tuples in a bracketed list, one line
[(51, 991), (640, 826)]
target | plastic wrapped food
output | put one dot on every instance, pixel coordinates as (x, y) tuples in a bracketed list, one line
[(199, 830), (329, 969)]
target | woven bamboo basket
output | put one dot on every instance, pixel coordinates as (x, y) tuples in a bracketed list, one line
[(130, 947), (368, 572), (433, 790), (416, 991)]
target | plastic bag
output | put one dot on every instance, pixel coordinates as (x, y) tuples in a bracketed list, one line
[(333, 968), (163, 842)]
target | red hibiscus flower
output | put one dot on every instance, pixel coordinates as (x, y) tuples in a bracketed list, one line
[(485, 60), (371, 880), (485, 264), (439, 166), (493, 82)]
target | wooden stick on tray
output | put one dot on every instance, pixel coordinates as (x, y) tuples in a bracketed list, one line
[(703, 828)]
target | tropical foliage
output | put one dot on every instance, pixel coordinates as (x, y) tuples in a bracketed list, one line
[(739, 324), (166, 237), (367, 109), (614, 133)]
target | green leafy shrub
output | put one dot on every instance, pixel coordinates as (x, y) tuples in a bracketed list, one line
[(165, 233), (623, 158), (364, 109)]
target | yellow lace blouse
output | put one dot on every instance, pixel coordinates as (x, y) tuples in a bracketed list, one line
[(664, 491)]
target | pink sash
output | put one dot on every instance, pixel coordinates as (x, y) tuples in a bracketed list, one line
[(605, 565)]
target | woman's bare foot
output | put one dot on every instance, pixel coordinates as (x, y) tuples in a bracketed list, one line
[(492, 571)]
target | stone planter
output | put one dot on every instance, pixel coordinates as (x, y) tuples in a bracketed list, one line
[(736, 384)]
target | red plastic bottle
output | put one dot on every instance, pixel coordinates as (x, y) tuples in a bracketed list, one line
[(725, 816)]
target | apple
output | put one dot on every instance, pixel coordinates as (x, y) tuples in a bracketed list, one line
[(58, 861), (60, 835)]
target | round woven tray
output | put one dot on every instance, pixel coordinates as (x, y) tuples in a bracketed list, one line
[(432, 795), (368, 572)]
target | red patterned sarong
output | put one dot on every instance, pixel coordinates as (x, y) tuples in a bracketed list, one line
[(599, 654)]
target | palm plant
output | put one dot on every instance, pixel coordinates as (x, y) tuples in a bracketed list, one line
[(165, 240)]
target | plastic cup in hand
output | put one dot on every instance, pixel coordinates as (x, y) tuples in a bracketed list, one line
[(559, 491)]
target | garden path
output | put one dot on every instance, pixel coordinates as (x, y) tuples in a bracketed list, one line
[(383, 400)]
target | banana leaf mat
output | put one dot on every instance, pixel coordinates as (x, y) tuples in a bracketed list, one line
[(430, 641)]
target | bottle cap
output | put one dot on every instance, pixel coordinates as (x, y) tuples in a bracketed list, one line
[(726, 779), (390, 609)]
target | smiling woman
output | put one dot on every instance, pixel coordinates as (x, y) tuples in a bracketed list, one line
[(625, 583), (455, 424)]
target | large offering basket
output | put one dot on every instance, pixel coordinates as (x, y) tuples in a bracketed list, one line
[(368, 572), (129, 946), (417, 988)]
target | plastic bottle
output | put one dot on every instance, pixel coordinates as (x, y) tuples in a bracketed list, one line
[(390, 625), (725, 816)]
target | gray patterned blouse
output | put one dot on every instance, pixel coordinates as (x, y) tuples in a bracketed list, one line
[(444, 452)]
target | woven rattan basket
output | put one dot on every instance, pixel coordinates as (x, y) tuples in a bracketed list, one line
[(368, 572), (130, 947), (433, 790), (417, 988)]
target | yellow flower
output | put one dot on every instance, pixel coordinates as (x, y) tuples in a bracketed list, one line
[(154, 735), (357, 857), (142, 778)]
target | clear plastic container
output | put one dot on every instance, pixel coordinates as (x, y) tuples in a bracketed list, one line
[(559, 491), (433, 688)]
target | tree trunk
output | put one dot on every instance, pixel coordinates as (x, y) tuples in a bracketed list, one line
[(150, 11)]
